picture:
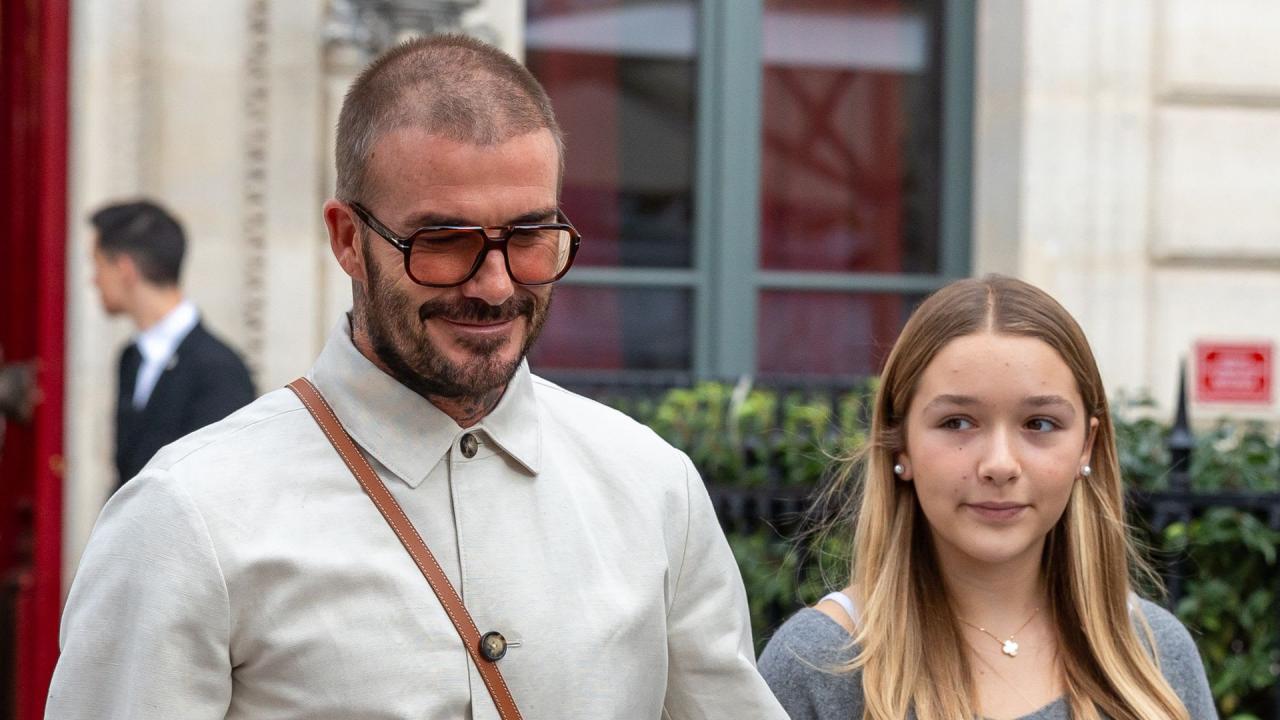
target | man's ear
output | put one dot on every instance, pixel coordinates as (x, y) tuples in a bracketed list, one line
[(345, 239), (127, 267)]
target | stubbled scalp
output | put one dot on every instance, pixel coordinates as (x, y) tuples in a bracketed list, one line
[(449, 85)]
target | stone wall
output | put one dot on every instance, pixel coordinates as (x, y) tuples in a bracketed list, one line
[(1126, 157)]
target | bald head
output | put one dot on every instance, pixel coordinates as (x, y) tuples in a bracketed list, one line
[(448, 85)]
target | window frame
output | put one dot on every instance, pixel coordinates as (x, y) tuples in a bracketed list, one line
[(725, 278)]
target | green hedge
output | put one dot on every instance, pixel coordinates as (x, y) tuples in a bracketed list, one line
[(1230, 601), (751, 437)]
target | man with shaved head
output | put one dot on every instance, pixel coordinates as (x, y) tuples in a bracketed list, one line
[(420, 528)]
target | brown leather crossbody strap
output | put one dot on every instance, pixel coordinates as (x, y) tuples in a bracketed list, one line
[(412, 541)]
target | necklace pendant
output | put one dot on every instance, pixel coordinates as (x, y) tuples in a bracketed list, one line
[(1009, 648)]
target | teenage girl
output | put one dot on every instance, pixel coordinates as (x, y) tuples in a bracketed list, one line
[(992, 567)]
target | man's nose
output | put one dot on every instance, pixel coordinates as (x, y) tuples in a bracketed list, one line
[(491, 283), (999, 464)]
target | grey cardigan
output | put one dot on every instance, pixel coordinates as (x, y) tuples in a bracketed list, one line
[(796, 660)]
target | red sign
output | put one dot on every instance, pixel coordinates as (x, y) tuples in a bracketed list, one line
[(1234, 372)]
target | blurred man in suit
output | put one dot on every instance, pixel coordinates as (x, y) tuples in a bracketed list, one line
[(175, 376)]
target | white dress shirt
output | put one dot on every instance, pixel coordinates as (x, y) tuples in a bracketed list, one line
[(157, 345), (244, 574)]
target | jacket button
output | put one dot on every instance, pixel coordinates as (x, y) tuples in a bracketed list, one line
[(493, 646), (469, 445)]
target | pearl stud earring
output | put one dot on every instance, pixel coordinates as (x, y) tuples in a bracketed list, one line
[(898, 469), (1086, 471)]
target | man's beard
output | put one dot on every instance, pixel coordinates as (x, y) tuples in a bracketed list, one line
[(399, 338)]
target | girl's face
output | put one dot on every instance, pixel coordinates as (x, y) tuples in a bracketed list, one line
[(996, 436)]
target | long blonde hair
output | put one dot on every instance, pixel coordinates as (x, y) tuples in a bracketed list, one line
[(1089, 559)]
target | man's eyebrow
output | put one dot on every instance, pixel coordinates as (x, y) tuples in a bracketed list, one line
[(532, 217), (432, 220), (535, 217)]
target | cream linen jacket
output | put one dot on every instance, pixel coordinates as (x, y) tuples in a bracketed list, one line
[(244, 574)]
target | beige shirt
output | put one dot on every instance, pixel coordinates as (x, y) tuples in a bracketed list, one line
[(244, 574)]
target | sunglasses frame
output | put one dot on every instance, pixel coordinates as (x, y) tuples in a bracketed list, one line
[(491, 242)]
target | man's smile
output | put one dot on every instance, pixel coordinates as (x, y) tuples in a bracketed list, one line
[(480, 328)]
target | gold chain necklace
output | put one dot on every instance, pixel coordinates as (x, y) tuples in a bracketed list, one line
[(1007, 646)]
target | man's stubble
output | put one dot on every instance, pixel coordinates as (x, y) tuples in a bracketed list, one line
[(398, 337)]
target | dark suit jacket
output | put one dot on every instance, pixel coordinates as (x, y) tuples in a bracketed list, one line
[(204, 382)]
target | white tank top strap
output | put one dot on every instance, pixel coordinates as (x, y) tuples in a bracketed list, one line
[(844, 602)]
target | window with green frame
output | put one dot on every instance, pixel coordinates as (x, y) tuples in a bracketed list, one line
[(763, 186)]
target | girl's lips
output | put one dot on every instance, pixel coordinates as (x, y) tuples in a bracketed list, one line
[(997, 511)]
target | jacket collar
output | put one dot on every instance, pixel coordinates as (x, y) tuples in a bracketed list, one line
[(403, 430)]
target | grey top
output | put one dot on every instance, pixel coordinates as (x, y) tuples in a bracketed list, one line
[(797, 660)]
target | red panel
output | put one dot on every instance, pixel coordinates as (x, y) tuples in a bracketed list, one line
[(585, 91), (610, 328), (834, 180), (828, 333), (33, 176), (836, 186), (51, 292), (17, 323)]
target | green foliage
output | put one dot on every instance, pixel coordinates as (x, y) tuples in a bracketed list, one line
[(737, 436), (1236, 457), (779, 580), (743, 437), (1228, 556), (1229, 456), (1230, 603)]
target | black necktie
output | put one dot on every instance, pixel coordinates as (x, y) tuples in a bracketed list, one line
[(130, 362)]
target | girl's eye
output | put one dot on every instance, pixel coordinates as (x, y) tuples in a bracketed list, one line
[(957, 423), (1042, 425)]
